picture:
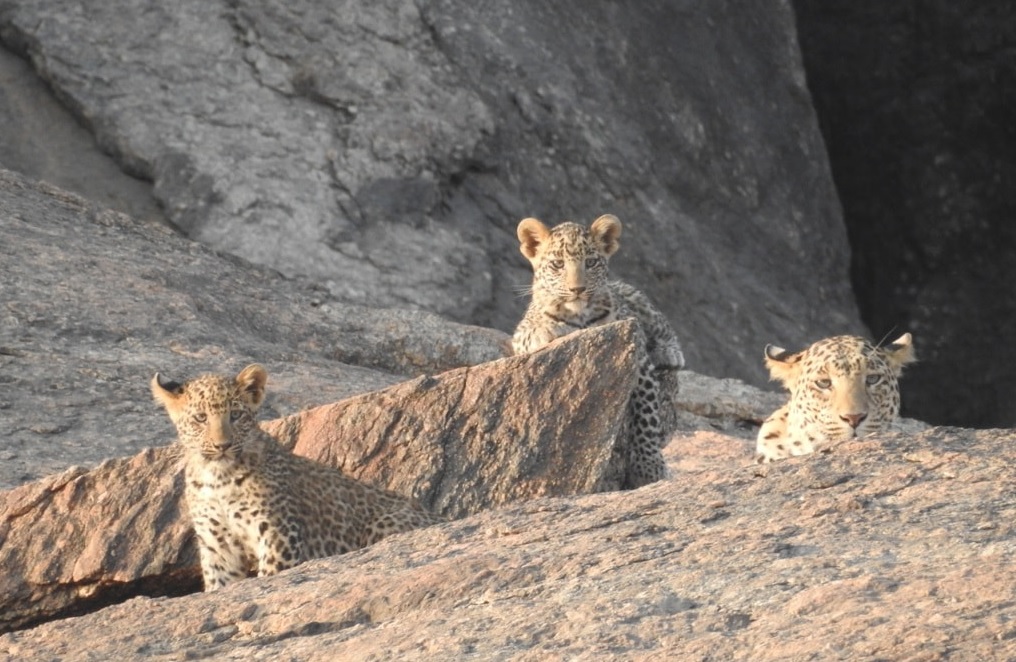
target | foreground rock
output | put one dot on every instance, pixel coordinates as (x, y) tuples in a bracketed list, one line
[(891, 548), (387, 149), (460, 442), (92, 304)]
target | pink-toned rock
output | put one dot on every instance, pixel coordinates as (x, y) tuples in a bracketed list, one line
[(84, 538), (460, 442), (897, 548), (475, 438)]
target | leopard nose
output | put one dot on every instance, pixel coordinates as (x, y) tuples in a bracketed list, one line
[(853, 419), (578, 290)]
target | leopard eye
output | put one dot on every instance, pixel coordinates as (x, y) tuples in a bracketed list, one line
[(235, 415), (200, 417), (591, 261), (557, 264), (824, 383), (871, 380)]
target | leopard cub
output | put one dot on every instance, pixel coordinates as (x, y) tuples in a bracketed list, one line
[(256, 507), (572, 290)]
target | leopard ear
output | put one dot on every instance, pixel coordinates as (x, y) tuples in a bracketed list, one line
[(251, 381), (606, 232), (167, 393), (900, 352), (531, 233), (783, 365)]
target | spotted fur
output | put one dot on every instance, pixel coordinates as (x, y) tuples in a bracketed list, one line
[(257, 508), (572, 290), (840, 388)]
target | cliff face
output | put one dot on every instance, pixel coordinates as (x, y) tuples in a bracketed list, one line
[(915, 101), (386, 149)]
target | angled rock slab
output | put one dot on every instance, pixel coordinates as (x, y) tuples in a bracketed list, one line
[(462, 441), (474, 438), (81, 539)]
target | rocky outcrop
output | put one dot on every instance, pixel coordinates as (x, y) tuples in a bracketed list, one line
[(463, 441), (915, 102), (94, 304), (896, 547), (387, 149)]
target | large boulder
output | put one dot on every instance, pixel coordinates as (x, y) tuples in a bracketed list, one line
[(460, 442), (387, 149), (916, 103), (93, 304), (897, 547)]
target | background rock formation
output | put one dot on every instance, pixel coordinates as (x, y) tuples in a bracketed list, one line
[(92, 304), (387, 149), (916, 105)]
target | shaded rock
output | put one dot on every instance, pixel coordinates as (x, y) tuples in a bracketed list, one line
[(463, 441), (897, 547), (915, 102), (92, 304), (76, 541), (387, 149), (42, 140)]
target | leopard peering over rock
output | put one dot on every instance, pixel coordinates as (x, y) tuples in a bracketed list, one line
[(256, 507), (841, 388), (571, 291)]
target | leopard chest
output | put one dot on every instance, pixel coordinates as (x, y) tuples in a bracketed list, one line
[(222, 492)]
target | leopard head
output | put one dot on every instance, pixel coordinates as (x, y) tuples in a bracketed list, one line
[(569, 261), (841, 387), (213, 415)]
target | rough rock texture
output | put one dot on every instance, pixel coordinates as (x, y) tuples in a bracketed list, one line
[(895, 548), (92, 304), (916, 104), (42, 140), (387, 149), (79, 540), (460, 442)]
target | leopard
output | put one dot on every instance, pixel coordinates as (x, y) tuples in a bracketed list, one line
[(841, 388), (256, 507), (572, 290)]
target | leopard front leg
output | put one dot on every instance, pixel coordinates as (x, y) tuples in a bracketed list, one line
[(279, 547), (222, 557), (645, 444)]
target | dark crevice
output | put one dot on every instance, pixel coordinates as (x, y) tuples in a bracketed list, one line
[(914, 101)]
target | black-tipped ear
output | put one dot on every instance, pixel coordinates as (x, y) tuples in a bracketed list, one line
[(175, 388), (783, 365), (774, 353), (167, 392), (900, 352)]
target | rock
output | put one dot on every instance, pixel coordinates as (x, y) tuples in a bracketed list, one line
[(386, 150), (92, 304), (82, 539), (896, 547), (916, 108), (43, 140), (485, 436), (467, 440)]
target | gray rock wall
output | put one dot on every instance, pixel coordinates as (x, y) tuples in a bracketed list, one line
[(92, 304), (387, 149)]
